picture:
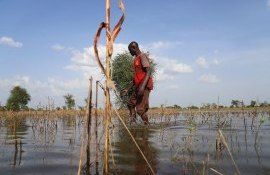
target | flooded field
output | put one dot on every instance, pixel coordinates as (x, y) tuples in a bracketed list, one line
[(182, 144)]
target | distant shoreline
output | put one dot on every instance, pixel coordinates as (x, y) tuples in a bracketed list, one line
[(165, 111)]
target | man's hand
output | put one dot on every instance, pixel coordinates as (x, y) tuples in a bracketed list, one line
[(124, 92)]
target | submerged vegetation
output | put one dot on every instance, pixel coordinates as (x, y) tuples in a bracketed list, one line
[(189, 142)]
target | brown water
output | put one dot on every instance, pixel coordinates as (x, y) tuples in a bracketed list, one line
[(173, 145)]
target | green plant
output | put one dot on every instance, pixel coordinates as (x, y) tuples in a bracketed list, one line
[(18, 99), (69, 101)]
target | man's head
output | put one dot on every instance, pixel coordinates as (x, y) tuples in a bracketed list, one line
[(133, 48)]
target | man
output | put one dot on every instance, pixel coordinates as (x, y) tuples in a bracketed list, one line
[(143, 83)]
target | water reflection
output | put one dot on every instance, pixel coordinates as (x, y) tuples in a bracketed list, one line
[(128, 157), (178, 145), (38, 145), (15, 132)]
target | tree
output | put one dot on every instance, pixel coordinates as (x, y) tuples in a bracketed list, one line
[(253, 103), (237, 103), (264, 104), (69, 101), (193, 107), (206, 105), (214, 105), (234, 103), (2, 108), (18, 99), (176, 106)]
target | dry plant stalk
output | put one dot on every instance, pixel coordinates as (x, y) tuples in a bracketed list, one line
[(215, 171), (110, 38), (89, 123), (228, 150), (96, 127), (86, 127)]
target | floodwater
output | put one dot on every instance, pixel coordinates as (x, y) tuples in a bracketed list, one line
[(172, 145)]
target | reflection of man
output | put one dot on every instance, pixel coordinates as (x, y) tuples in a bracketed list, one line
[(143, 83), (130, 158)]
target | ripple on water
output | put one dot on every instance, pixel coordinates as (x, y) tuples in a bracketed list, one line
[(175, 146)]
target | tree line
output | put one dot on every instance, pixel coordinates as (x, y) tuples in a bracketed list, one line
[(19, 98), (234, 104)]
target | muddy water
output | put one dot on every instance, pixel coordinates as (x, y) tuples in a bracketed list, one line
[(173, 145)]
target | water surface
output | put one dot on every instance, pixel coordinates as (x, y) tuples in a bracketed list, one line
[(173, 145)]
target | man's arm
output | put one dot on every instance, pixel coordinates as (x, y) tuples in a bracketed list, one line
[(145, 81), (146, 66)]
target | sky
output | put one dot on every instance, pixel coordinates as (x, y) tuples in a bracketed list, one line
[(205, 49)]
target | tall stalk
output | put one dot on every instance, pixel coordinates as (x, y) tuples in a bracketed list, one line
[(107, 91), (110, 37), (89, 123), (96, 126)]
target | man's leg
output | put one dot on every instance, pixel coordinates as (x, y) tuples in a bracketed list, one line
[(142, 106), (131, 106)]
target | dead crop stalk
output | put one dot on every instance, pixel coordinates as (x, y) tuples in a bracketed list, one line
[(229, 152), (110, 38), (89, 123), (87, 127), (96, 126)]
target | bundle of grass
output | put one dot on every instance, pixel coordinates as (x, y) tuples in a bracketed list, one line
[(122, 75)]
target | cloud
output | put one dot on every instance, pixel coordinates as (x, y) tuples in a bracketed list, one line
[(84, 60), (173, 87), (53, 87), (216, 62), (176, 67), (268, 3), (168, 69), (86, 57), (60, 86), (84, 63), (14, 81), (10, 42), (161, 75), (57, 47), (158, 45), (201, 61), (209, 78)]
